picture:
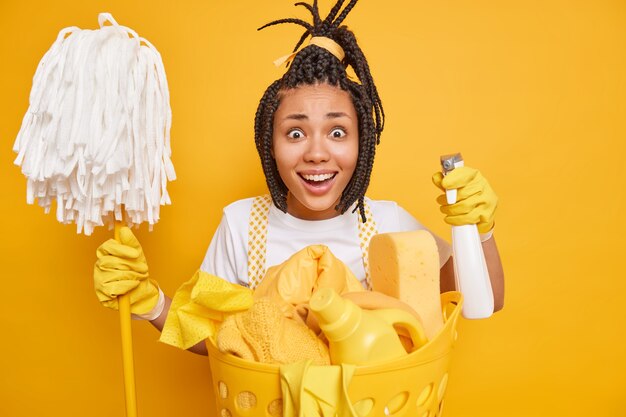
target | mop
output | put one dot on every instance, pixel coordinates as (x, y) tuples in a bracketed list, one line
[(95, 139)]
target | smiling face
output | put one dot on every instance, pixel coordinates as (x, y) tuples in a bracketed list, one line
[(315, 146)]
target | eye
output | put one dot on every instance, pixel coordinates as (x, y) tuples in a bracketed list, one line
[(337, 133), (295, 134)]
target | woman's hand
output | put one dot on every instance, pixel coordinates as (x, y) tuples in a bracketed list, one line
[(476, 202), (121, 268)]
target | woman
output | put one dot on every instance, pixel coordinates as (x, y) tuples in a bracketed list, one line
[(316, 132)]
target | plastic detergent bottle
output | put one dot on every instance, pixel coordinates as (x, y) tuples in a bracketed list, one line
[(361, 337)]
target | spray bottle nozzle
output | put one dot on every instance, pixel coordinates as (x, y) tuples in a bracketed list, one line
[(451, 161)]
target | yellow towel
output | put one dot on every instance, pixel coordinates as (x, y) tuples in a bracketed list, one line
[(316, 391), (292, 283), (264, 334), (199, 306)]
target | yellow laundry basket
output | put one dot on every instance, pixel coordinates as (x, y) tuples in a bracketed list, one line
[(411, 386)]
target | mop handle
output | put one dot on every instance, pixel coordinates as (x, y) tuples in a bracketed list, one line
[(127, 346)]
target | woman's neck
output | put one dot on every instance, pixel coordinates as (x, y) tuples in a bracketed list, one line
[(300, 211)]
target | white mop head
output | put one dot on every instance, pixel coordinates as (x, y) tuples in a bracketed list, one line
[(96, 136)]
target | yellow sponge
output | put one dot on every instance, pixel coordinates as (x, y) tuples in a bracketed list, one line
[(405, 265)]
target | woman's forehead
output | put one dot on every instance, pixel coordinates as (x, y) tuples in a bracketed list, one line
[(315, 98)]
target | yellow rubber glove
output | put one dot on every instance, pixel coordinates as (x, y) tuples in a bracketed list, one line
[(476, 202), (122, 268)]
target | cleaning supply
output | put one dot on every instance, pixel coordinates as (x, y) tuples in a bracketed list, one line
[(96, 139), (374, 300), (291, 283), (121, 268), (264, 334), (405, 265), (468, 199), (471, 204), (413, 385), (317, 391), (362, 337), (198, 308)]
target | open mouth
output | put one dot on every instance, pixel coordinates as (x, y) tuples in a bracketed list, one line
[(318, 180)]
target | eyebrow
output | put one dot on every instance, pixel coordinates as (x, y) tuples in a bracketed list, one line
[(331, 115), (335, 115)]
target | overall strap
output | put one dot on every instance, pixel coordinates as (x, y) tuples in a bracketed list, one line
[(367, 230), (257, 239)]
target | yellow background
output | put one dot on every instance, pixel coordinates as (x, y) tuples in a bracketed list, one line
[(532, 92)]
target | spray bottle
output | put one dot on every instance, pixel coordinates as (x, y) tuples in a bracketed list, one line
[(362, 337), (470, 268)]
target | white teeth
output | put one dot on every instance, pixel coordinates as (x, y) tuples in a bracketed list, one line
[(322, 177)]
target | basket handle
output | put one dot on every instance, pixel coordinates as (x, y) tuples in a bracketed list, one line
[(450, 303)]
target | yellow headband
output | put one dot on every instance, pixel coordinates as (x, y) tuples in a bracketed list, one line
[(321, 41)]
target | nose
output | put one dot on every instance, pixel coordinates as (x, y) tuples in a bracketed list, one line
[(317, 150)]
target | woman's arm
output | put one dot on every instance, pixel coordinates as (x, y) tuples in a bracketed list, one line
[(475, 204), (496, 273), (494, 266), (446, 277), (219, 260)]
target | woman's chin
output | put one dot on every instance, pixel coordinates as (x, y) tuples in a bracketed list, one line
[(312, 208)]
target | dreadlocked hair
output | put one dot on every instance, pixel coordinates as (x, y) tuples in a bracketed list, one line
[(314, 65)]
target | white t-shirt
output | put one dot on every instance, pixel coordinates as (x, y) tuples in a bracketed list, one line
[(227, 256)]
